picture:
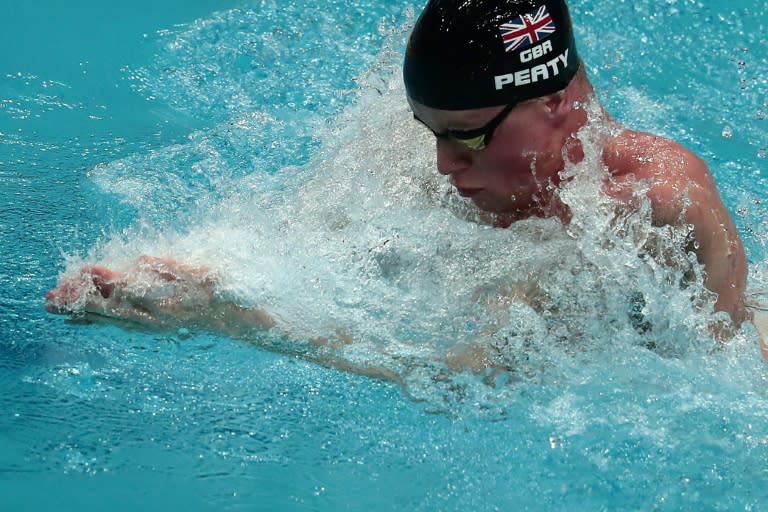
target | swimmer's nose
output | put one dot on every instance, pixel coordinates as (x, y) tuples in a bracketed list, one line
[(451, 158)]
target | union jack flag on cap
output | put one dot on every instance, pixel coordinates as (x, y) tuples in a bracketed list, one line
[(527, 29)]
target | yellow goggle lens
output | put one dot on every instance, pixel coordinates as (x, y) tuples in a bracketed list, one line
[(475, 143)]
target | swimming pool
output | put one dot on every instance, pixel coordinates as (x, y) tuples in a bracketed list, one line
[(213, 133)]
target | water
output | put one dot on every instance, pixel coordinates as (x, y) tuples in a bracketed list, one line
[(273, 143)]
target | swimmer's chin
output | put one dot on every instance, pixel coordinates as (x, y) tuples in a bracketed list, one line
[(492, 205), (468, 192)]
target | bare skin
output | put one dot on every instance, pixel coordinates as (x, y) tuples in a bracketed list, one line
[(682, 191)]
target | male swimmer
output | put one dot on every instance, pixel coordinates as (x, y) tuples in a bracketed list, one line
[(501, 85)]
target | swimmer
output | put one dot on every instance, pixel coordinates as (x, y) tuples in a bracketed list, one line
[(501, 86)]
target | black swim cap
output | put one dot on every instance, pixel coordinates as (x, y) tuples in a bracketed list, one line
[(465, 54)]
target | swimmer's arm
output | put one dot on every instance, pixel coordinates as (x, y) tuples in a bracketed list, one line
[(682, 190), (164, 294)]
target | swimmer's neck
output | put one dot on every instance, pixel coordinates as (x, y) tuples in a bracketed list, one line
[(585, 110)]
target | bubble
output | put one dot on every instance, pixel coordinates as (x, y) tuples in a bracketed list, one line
[(727, 132)]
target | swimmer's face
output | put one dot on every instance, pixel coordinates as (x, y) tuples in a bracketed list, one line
[(512, 173)]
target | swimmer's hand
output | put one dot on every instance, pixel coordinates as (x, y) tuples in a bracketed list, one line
[(155, 292)]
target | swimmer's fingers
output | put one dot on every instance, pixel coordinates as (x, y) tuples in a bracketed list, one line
[(166, 293), (101, 291), (168, 269), (76, 293)]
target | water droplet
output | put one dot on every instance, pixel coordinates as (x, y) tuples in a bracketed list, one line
[(762, 153), (727, 132)]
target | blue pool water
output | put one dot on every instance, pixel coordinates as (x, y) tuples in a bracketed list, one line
[(234, 133)]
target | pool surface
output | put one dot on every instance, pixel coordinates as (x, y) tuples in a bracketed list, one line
[(273, 142)]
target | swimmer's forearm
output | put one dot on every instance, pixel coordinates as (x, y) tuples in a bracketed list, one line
[(726, 270), (719, 248)]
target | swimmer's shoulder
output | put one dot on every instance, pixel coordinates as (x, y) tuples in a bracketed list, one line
[(646, 156)]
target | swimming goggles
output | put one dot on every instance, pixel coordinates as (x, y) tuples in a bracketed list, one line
[(476, 139)]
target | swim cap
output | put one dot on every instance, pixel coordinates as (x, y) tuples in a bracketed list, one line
[(465, 54)]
